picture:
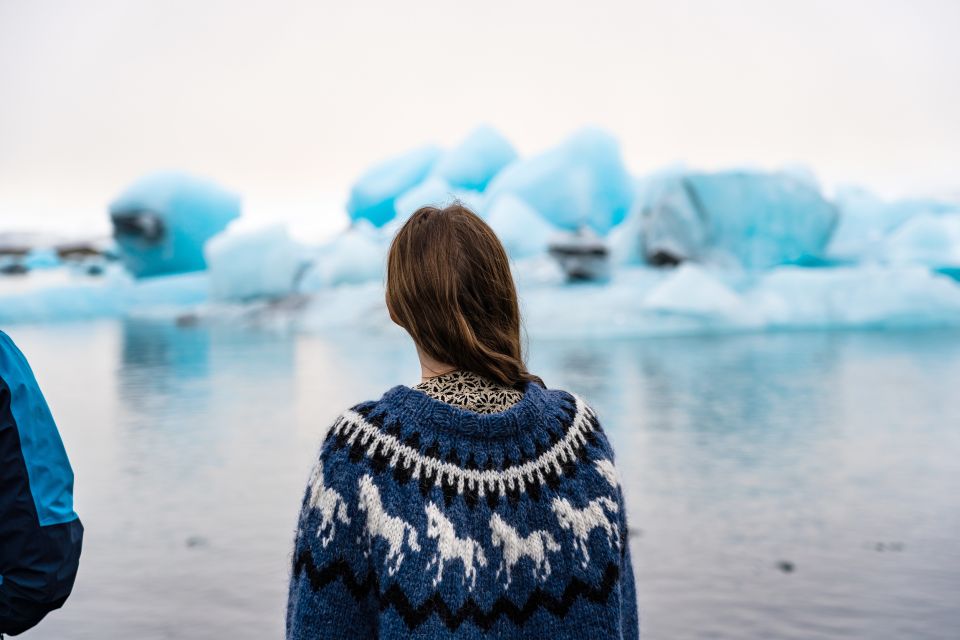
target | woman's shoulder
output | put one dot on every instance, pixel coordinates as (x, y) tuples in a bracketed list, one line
[(379, 435)]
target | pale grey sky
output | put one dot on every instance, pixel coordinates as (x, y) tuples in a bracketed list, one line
[(288, 101)]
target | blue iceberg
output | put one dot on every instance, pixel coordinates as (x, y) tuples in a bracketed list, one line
[(162, 221), (475, 161), (740, 246), (736, 218), (521, 229), (372, 196), (580, 182), (42, 258)]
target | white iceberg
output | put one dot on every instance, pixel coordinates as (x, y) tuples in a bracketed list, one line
[(871, 297), (253, 264), (691, 290), (64, 296), (357, 255), (927, 239), (867, 221)]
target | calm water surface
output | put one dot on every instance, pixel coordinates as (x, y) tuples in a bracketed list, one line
[(780, 486)]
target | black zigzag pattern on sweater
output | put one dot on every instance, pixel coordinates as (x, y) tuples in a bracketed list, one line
[(469, 611)]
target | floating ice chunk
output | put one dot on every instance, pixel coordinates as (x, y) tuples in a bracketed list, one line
[(372, 196), (261, 263), (866, 221), (756, 220), (357, 255), (474, 162), (582, 181), (626, 239), (61, 296), (612, 309), (162, 221), (520, 228), (926, 239), (693, 291), (42, 258), (856, 297)]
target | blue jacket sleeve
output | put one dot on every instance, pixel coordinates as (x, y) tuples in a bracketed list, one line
[(40, 534)]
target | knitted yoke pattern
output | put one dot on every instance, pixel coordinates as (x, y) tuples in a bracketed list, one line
[(422, 519)]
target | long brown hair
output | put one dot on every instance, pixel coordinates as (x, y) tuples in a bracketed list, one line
[(449, 285)]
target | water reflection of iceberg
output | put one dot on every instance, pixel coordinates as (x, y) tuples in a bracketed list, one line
[(163, 367)]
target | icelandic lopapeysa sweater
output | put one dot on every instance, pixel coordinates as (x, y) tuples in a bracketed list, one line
[(425, 520)]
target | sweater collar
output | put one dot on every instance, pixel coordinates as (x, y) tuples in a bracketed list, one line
[(426, 410)]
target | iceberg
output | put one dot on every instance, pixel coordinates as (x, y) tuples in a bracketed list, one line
[(42, 258), (248, 265), (64, 296), (432, 191), (694, 300), (581, 182), (691, 290), (474, 162), (521, 229), (927, 239), (692, 252), (736, 218), (357, 255), (162, 221), (866, 221), (863, 297), (626, 239), (373, 194)]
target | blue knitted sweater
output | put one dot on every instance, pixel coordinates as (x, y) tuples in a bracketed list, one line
[(425, 520)]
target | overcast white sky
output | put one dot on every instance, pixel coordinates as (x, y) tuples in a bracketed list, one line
[(288, 101)]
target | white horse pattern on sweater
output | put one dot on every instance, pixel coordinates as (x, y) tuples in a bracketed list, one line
[(381, 524), (330, 504), (451, 547), (534, 546), (582, 521)]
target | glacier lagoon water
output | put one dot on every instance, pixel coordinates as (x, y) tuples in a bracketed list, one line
[(791, 485)]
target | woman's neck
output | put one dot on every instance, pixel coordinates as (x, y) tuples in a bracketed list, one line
[(430, 368)]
